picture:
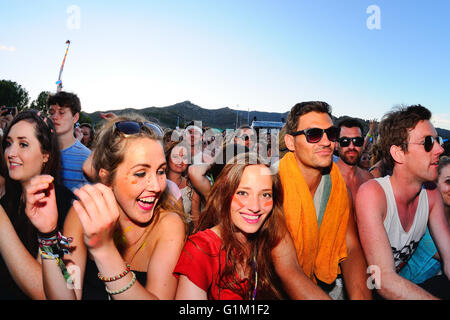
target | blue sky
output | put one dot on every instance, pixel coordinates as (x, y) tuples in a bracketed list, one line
[(258, 55)]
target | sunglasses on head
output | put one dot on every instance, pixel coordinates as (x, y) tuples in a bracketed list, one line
[(345, 141), (314, 135), (134, 127), (428, 142)]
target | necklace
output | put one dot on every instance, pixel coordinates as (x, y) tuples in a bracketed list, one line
[(255, 270), (180, 183), (123, 241), (144, 242)]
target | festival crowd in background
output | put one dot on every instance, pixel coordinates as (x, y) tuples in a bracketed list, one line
[(128, 209)]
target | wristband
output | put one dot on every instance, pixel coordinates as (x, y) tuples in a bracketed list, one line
[(128, 286), (49, 249), (51, 234)]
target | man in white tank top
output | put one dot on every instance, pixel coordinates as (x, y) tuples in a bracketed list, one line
[(393, 212)]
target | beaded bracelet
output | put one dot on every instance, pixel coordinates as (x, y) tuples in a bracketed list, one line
[(128, 286), (120, 276)]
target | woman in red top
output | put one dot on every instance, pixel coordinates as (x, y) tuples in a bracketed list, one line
[(230, 255)]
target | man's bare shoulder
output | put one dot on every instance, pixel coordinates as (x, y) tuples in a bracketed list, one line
[(371, 196), (434, 197)]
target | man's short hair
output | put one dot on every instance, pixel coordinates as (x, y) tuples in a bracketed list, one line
[(65, 100), (395, 126), (349, 122), (303, 108)]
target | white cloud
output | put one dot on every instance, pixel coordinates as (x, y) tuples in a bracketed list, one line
[(441, 121), (6, 48)]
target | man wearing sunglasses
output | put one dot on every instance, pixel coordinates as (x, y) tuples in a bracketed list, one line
[(64, 109), (393, 212), (349, 146), (320, 221)]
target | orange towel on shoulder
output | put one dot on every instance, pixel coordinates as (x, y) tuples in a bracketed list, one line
[(319, 252)]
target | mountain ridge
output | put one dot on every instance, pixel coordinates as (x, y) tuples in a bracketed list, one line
[(182, 113)]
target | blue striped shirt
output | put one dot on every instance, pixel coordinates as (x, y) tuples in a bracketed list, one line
[(72, 159)]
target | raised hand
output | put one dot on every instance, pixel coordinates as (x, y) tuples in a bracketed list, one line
[(41, 206), (107, 115), (6, 116), (78, 134), (373, 124), (98, 212)]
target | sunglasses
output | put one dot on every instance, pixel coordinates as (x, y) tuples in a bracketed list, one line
[(428, 142), (314, 135), (134, 127), (345, 141)]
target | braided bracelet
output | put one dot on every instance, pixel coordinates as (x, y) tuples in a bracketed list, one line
[(120, 276), (128, 286), (49, 248)]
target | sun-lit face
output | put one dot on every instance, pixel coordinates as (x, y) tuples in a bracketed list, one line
[(140, 179), (444, 184), (420, 163), (63, 119), (253, 199), (364, 162), (86, 135), (350, 154), (178, 160), (312, 155), (23, 154)]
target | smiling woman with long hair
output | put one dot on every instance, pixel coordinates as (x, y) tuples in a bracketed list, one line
[(29, 148), (127, 230), (229, 256)]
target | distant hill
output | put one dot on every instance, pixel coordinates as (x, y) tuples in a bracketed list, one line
[(186, 111), (224, 118)]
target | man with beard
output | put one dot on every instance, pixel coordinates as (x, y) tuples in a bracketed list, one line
[(318, 206), (349, 147)]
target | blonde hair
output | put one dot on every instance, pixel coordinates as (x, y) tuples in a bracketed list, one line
[(109, 152), (110, 145)]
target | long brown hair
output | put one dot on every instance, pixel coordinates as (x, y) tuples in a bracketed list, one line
[(217, 211), (13, 200)]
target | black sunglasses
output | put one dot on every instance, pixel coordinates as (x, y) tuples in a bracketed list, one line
[(345, 141), (314, 135), (134, 127), (428, 142)]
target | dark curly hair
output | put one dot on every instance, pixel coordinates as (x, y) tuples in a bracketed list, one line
[(395, 126), (65, 99)]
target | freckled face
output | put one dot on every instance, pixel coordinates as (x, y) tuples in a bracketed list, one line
[(252, 202), (140, 179)]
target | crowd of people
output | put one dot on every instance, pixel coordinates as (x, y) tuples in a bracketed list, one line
[(128, 209)]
